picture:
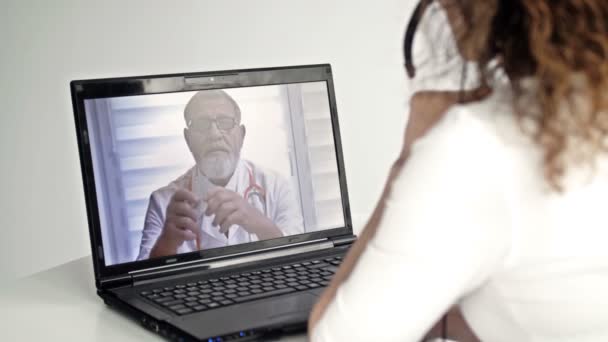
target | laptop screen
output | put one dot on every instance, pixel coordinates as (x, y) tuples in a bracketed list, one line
[(189, 171)]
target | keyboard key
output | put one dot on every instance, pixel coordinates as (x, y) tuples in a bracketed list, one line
[(255, 291), (179, 291), (183, 311), (313, 285), (163, 299), (263, 295), (191, 299), (145, 293), (203, 282), (153, 296), (268, 288), (180, 286), (301, 287), (173, 302), (199, 307), (242, 288), (192, 304), (213, 305), (293, 284), (216, 293), (177, 307), (281, 286), (213, 280), (218, 299), (157, 290), (316, 261), (166, 294), (304, 282), (244, 293), (226, 302), (193, 293), (191, 284), (324, 283), (180, 296), (230, 291), (205, 301), (204, 296), (219, 288), (231, 295)]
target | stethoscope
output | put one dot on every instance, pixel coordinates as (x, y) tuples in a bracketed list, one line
[(251, 192)]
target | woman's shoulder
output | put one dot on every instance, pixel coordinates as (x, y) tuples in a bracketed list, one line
[(489, 128)]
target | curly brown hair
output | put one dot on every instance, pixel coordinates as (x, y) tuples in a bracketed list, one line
[(555, 53)]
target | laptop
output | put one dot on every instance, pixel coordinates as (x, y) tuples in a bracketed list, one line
[(216, 201)]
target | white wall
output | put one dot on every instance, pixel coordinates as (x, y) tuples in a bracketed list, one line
[(45, 44)]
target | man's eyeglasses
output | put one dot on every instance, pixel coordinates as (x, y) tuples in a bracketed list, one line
[(203, 125)]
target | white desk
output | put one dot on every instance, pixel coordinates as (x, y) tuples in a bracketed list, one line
[(60, 304)]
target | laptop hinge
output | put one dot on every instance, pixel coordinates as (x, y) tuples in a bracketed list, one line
[(344, 240), (115, 282), (229, 260)]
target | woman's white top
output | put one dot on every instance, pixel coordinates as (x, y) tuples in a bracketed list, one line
[(472, 221)]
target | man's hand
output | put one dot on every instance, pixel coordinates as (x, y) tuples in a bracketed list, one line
[(230, 208), (181, 224)]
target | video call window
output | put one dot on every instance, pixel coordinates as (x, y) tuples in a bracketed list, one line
[(260, 159)]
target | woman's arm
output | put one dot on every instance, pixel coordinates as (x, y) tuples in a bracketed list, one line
[(426, 109)]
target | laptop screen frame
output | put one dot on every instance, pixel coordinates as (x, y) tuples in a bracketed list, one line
[(82, 90)]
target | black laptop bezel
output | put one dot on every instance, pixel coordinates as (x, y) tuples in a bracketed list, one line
[(82, 90)]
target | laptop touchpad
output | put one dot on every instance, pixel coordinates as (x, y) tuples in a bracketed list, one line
[(266, 313)]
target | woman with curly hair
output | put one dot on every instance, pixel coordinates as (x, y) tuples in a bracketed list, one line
[(496, 204)]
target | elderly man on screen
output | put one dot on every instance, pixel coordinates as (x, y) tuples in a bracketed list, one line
[(223, 199)]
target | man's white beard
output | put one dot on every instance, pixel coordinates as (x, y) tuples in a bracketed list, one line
[(218, 165)]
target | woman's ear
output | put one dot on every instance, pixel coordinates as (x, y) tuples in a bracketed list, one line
[(470, 26)]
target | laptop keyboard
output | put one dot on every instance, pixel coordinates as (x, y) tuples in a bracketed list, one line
[(234, 289)]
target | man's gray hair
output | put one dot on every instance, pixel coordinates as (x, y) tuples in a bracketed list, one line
[(213, 94)]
